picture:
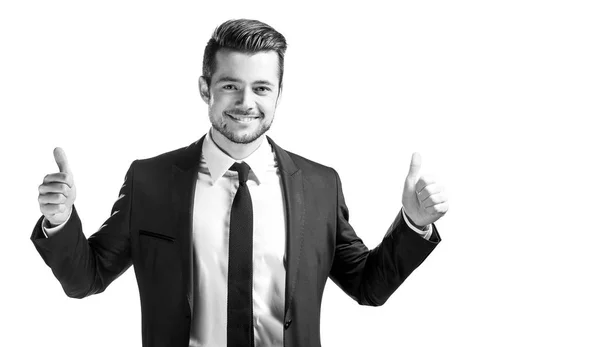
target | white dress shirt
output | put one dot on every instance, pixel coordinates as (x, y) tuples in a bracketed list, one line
[(215, 190)]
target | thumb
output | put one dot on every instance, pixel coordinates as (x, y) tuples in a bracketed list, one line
[(61, 160), (415, 166)]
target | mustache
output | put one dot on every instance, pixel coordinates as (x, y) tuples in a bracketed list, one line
[(243, 113)]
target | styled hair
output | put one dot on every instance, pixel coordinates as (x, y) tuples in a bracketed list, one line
[(246, 36)]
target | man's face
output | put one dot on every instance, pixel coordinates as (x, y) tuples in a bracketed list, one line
[(243, 94)]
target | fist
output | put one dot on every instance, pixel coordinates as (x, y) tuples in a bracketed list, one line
[(57, 191), (423, 199)]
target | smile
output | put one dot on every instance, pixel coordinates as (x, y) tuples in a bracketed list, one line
[(242, 119)]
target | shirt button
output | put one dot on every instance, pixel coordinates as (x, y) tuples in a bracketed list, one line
[(288, 323)]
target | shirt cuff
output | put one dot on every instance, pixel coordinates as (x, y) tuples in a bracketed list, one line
[(51, 230), (426, 234)]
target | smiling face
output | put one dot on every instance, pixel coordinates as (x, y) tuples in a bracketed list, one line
[(243, 94)]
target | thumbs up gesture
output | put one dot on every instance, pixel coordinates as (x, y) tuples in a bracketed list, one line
[(423, 199), (57, 192)]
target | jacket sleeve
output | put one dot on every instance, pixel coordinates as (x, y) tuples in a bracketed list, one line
[(371, 276), (85, 267)]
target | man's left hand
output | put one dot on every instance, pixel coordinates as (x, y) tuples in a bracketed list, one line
[(423, 199)]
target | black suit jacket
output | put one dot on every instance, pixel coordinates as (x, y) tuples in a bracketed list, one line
[(151, 228)]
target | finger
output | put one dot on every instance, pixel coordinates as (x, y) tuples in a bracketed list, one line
[(59, 177), (52, 209), (415, 165), (52, 199), (434, 199), (424, 181), (60, 188), (61, 160), (429, 190), (438, 208)]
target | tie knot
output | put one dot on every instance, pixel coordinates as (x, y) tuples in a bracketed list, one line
[(242, 169)]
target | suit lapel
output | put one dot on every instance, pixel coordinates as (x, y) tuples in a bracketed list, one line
[(183, 183), (293, 187)]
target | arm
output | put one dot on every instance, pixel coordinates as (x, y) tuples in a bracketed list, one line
[(371, 276), (85, 267)]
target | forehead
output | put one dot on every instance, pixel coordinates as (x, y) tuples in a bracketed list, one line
[(247, 67)]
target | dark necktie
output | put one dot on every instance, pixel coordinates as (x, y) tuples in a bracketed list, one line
[(240, 330)]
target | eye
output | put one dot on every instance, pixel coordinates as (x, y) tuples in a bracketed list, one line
[(262, 90), (229, 87)]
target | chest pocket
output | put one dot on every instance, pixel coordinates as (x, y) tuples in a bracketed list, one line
[(157, 254), (153, 234)]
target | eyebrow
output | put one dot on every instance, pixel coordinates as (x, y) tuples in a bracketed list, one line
[(237, 80), (264, 82), (228, 79)]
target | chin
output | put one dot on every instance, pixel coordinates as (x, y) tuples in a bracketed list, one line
[(244, 139), (240, 137)]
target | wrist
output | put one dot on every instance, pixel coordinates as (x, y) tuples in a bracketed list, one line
[(413, 223)]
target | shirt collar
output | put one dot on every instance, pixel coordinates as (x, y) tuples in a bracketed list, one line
[(218, 162)]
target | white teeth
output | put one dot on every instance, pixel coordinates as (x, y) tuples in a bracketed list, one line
[(242, 119)]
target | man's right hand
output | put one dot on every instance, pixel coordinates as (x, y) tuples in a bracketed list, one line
[(57, 192)]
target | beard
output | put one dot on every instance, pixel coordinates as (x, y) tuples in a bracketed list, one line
[(220, 125)]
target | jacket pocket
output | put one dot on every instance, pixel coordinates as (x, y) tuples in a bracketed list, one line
[(156, 235)]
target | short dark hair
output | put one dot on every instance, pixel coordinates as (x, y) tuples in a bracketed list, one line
[(246, 36)]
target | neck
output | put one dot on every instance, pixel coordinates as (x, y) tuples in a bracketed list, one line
[(237, 151)]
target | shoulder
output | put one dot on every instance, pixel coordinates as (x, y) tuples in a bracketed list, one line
[(290, 161), (184, 158), (163, 159), (317, 175), (310, 166)]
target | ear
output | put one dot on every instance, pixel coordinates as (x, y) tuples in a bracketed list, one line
[(204, 89)]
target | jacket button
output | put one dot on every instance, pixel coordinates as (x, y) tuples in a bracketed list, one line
[(287, 324)]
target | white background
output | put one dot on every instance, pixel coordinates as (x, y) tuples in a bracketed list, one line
[(501, 98)]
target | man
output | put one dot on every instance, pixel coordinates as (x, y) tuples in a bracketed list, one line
[(233, 238)]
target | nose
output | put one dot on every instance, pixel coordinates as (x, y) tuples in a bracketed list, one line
[(246, 99)]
